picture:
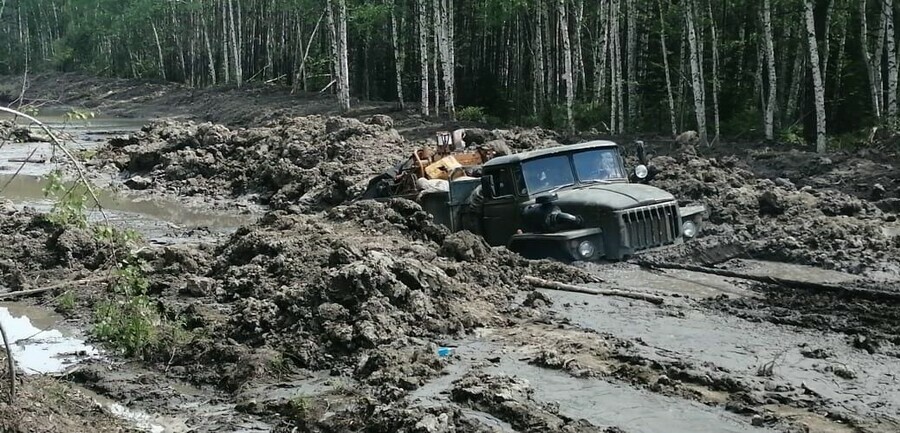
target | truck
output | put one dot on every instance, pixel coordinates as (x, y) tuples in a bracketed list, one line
[(570, 203)]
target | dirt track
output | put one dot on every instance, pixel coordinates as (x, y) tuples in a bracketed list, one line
[(326, 315)]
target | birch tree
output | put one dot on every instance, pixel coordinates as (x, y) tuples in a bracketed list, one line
[(423, 55), (398, 60), (696, 72), (770, 61), (819, 87), (567, 66), (888, 13), (665, 56)]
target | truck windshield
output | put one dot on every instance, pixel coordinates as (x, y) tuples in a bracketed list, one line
[(544, 174), (598, 164)]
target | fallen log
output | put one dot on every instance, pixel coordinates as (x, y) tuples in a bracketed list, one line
[(29, 160), (18, 293), (778, 281), (556, 285)]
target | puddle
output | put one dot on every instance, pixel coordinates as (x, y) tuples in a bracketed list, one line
[(789, 270), (154, 217), (75, 135), (740, 346), (37, 346), (608, 404)]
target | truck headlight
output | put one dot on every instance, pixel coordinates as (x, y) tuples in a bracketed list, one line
[(641, 171), (689, 229), (586, 249)]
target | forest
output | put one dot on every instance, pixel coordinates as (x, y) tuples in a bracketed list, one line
[(795, 71)]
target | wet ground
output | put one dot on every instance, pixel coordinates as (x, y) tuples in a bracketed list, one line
[(720, 354)]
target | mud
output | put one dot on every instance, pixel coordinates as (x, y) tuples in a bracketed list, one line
[(755, 217), (330, 315)]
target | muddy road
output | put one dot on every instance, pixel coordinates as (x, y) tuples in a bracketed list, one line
[(280, 304)]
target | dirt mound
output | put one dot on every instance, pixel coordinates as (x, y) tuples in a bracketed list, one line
[(301, 161), (364, 291), (776, 220), (43, 249)]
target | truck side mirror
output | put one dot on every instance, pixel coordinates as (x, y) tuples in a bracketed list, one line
[(487, 186)]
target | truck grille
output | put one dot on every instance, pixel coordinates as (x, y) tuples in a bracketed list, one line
[(650, 226)]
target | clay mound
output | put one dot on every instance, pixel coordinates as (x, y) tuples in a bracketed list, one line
[(305, 161), (776, 220), (366, 291), (42, 247)]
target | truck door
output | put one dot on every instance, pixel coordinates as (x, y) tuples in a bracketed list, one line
[(501, 215)]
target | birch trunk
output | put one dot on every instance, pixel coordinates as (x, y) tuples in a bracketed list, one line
[(600, 82), (879, 51), (819, 87), (236, 53), (398, 60), (345, 67), (891, 53), (436, 58), (579, 76), (631, 55), (826, 52), (443, 28), (715, 70), (699, 103), (209, 52), (613, 68), (226, 65), (867, 58), (665, 56), (538, 85), (567, 60), (162, 66), (770, 57), (423, 57)]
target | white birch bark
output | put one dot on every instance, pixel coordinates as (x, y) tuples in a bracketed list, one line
[(423, 57), (770, 57), (236, 53), (697, 87), (579, 76), (600, 81), (715, 70), (867, 57), (538, 59), (345, 67), (209, 52), (665, 56), (631, 55), (819, 87), (891, 54), (567, 66), (443, 27), (162, 66), (398, 60)]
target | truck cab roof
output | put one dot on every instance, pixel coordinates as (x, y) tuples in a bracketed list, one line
[(532, 154)]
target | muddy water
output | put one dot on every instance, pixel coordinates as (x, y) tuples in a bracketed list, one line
[(39, 345), (608, 404), (155, 217), (76, 135), (601, 402), (697, 336)]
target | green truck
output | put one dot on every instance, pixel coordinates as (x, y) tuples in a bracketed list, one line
[(569, 203)]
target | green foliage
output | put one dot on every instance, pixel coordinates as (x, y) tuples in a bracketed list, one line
[(69, 205), (66, 302), (470, 114), (792, 135), (76, 114)]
